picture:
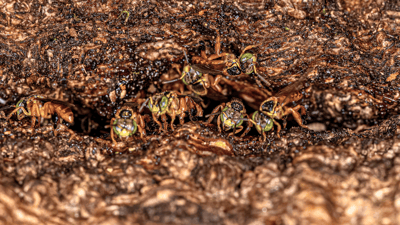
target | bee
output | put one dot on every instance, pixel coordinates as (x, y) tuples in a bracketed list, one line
[(196, 78), (248, 65), (38, 107), (229, 65), (275, 106), (126, 123), (231, 115), (172, 104), (263, 123)]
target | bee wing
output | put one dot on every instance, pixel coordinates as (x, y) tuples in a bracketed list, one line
[(206, 69), (79, 109), (294, 87), (299, 84), (195, 97), (56, 101)]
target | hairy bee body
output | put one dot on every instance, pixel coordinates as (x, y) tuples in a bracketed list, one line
[(230, 116), (36, 106)]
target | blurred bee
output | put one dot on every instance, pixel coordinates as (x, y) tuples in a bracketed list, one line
[(38, 107), (172, 104), (275, 106), (196, 78), (231, 115), (126, 123)]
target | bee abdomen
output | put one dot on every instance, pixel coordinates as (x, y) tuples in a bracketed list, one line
[(66, 113)]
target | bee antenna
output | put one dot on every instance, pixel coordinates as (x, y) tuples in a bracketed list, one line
[(250, 120), (263, 79), (143, 105), (171, 81), (212, 114), (186, 57)]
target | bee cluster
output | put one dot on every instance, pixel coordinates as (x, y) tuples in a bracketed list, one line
[(198, 78)]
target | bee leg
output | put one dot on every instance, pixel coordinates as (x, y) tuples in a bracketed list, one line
[(193, 104), (164, 120), (249, 126), (73, 135), (279, 128), (177, 66), (41, 120), (173, 116), (219, 123), (203, 54), (219, 107), (181, 85), (33, 122), (14, 111), (206, 81), (55, 131), (199, 110), (216, 85), (158, 122), (142, 132), (247, 48), (239, 128), (296, 115), (184, 106), (112, 131), (215, 56), (284, 123), (303, 110), (142, 125), (217, 46), (260, 85), (264, 136)]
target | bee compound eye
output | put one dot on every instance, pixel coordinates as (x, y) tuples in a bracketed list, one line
[(164, 102), (268, 106), (233, 71), (236, 106), (246, 57)]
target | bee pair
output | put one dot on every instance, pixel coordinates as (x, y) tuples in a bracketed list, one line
[(232, 114), (276, 107), (127, 122), (196, 76)]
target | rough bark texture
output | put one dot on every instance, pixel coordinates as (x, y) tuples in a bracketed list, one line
[(342, 171)]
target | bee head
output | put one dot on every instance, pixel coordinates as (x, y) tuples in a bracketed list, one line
[(21, 103), (234, 69), (268, 106), (125, 114), (237, 106), (247, 61)]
